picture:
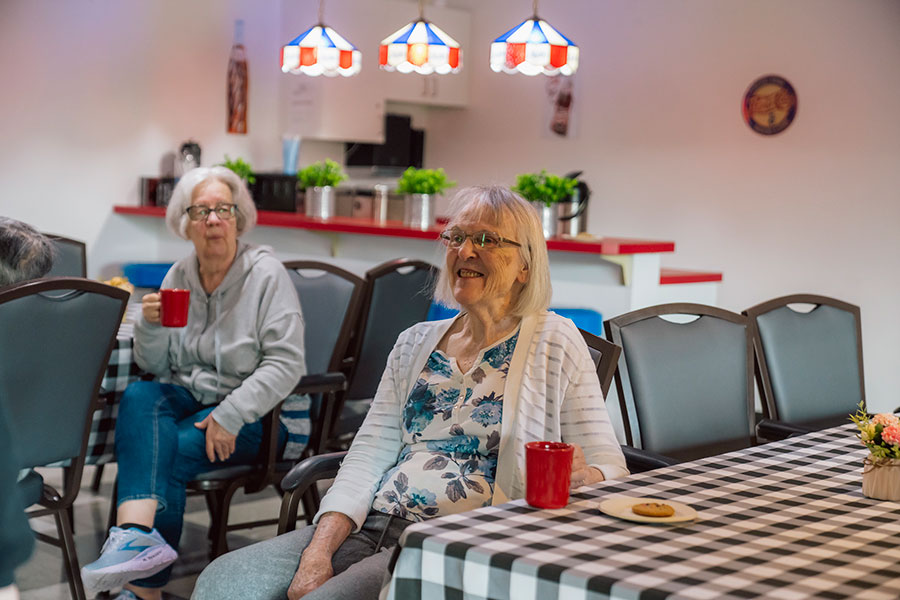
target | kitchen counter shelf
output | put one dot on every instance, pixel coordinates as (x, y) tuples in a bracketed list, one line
[(607, 246)]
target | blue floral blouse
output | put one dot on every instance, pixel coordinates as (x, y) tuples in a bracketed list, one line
[(451, 436)]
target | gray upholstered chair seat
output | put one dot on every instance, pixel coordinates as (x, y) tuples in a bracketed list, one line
[(685, 388), (809, 364)]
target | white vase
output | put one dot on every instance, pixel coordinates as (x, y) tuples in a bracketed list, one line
[(319, 202), (881, 478)]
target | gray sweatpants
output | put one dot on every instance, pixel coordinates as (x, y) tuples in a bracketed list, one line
[(264, 570)]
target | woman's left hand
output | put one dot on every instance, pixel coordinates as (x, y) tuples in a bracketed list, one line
[(582, 474), (219, 443)]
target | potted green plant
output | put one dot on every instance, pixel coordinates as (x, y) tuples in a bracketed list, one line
[(240, 167), (544, 190), (422, 186), (319, 180)]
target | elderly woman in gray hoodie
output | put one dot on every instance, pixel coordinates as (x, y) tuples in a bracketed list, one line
[(239, 355)]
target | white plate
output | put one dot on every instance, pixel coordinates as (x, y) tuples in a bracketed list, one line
[(620, 507)]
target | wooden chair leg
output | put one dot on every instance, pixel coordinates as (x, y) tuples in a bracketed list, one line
[(70, 557), (98, 475), (113, 505), (67, 477), (310, 499), (220, 542)]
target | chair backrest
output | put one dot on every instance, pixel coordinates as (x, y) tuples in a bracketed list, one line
[(330, 299), (398, 295), (809, 366), (686, 389), (56, 336), (70, 259), (605, 355)]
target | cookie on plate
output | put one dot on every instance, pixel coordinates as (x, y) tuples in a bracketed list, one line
[(653, 509)]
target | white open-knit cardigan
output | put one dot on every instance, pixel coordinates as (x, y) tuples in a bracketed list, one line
[(552, 393)]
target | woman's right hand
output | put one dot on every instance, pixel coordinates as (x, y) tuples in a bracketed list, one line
[(315, 562), (150, 307), (314, 570)]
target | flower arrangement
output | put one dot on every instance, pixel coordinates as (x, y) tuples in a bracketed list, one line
[(423, 181), (544, 187), (880, 434), (240, 167), (327, 174)]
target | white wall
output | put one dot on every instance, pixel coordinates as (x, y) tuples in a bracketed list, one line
[(663, 145), (96, 91)]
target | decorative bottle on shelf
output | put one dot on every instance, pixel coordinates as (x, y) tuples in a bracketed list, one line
[(238, 81)]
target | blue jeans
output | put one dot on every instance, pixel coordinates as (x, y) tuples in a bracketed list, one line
[(159, 451)]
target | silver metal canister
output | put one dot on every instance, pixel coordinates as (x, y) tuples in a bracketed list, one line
[(380, 203)]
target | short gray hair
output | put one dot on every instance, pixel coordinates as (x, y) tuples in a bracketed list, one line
[(500, 205), (25, 253), (176, 215)]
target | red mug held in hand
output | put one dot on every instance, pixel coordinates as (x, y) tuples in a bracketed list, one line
[(548, 471), (173, 309)]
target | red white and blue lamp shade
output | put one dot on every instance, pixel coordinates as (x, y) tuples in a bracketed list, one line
[(420, 47), (320, 50), (534, 47)]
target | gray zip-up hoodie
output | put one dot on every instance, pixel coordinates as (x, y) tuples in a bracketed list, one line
[(243, 345)]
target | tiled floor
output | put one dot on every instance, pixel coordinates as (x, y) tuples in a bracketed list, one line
[(43, 577)]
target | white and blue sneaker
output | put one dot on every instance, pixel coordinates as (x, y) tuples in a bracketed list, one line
[(126, 595), (127, 554)]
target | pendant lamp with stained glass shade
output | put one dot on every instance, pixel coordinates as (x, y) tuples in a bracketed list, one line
[(420, 47), (320, 50), (532, 47)]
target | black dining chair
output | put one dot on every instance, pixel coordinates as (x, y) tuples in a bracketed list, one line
[(70, 257), (685, 388), (605, 355), (809, 364), (330, 300), (56, 336), (397, 295)]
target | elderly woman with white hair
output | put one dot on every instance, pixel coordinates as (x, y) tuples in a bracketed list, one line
[(447, 429), (239, 355)]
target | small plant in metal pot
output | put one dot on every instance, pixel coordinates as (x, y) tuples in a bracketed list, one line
[(421, 187), (319, 179), (544, 190), (423, 181), (240, 167), (544, 187)]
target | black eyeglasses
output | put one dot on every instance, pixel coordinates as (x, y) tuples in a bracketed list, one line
[(456, 237), (201, 213)]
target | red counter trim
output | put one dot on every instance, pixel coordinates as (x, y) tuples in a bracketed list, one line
[(667, 276), (396, 229)]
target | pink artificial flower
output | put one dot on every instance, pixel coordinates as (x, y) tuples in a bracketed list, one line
[(891, 434), (886, 419)]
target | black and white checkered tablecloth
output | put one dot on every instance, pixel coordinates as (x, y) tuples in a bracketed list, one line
[(121, 371), (783, 520)]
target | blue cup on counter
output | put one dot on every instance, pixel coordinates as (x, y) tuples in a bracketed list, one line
[(290, 153)]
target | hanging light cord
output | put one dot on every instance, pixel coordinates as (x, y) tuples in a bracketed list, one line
[(421, 10), (321, 12), (534, 6)]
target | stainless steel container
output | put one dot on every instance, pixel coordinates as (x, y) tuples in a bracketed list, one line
[(549, 220), (319, 202), (380, 201), (419, 211), (572, 215)]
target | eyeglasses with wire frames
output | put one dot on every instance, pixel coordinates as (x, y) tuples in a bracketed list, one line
[(197, 212), (456, 237)]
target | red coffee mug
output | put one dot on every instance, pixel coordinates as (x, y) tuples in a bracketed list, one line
[(173, 310), (548, 472)]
